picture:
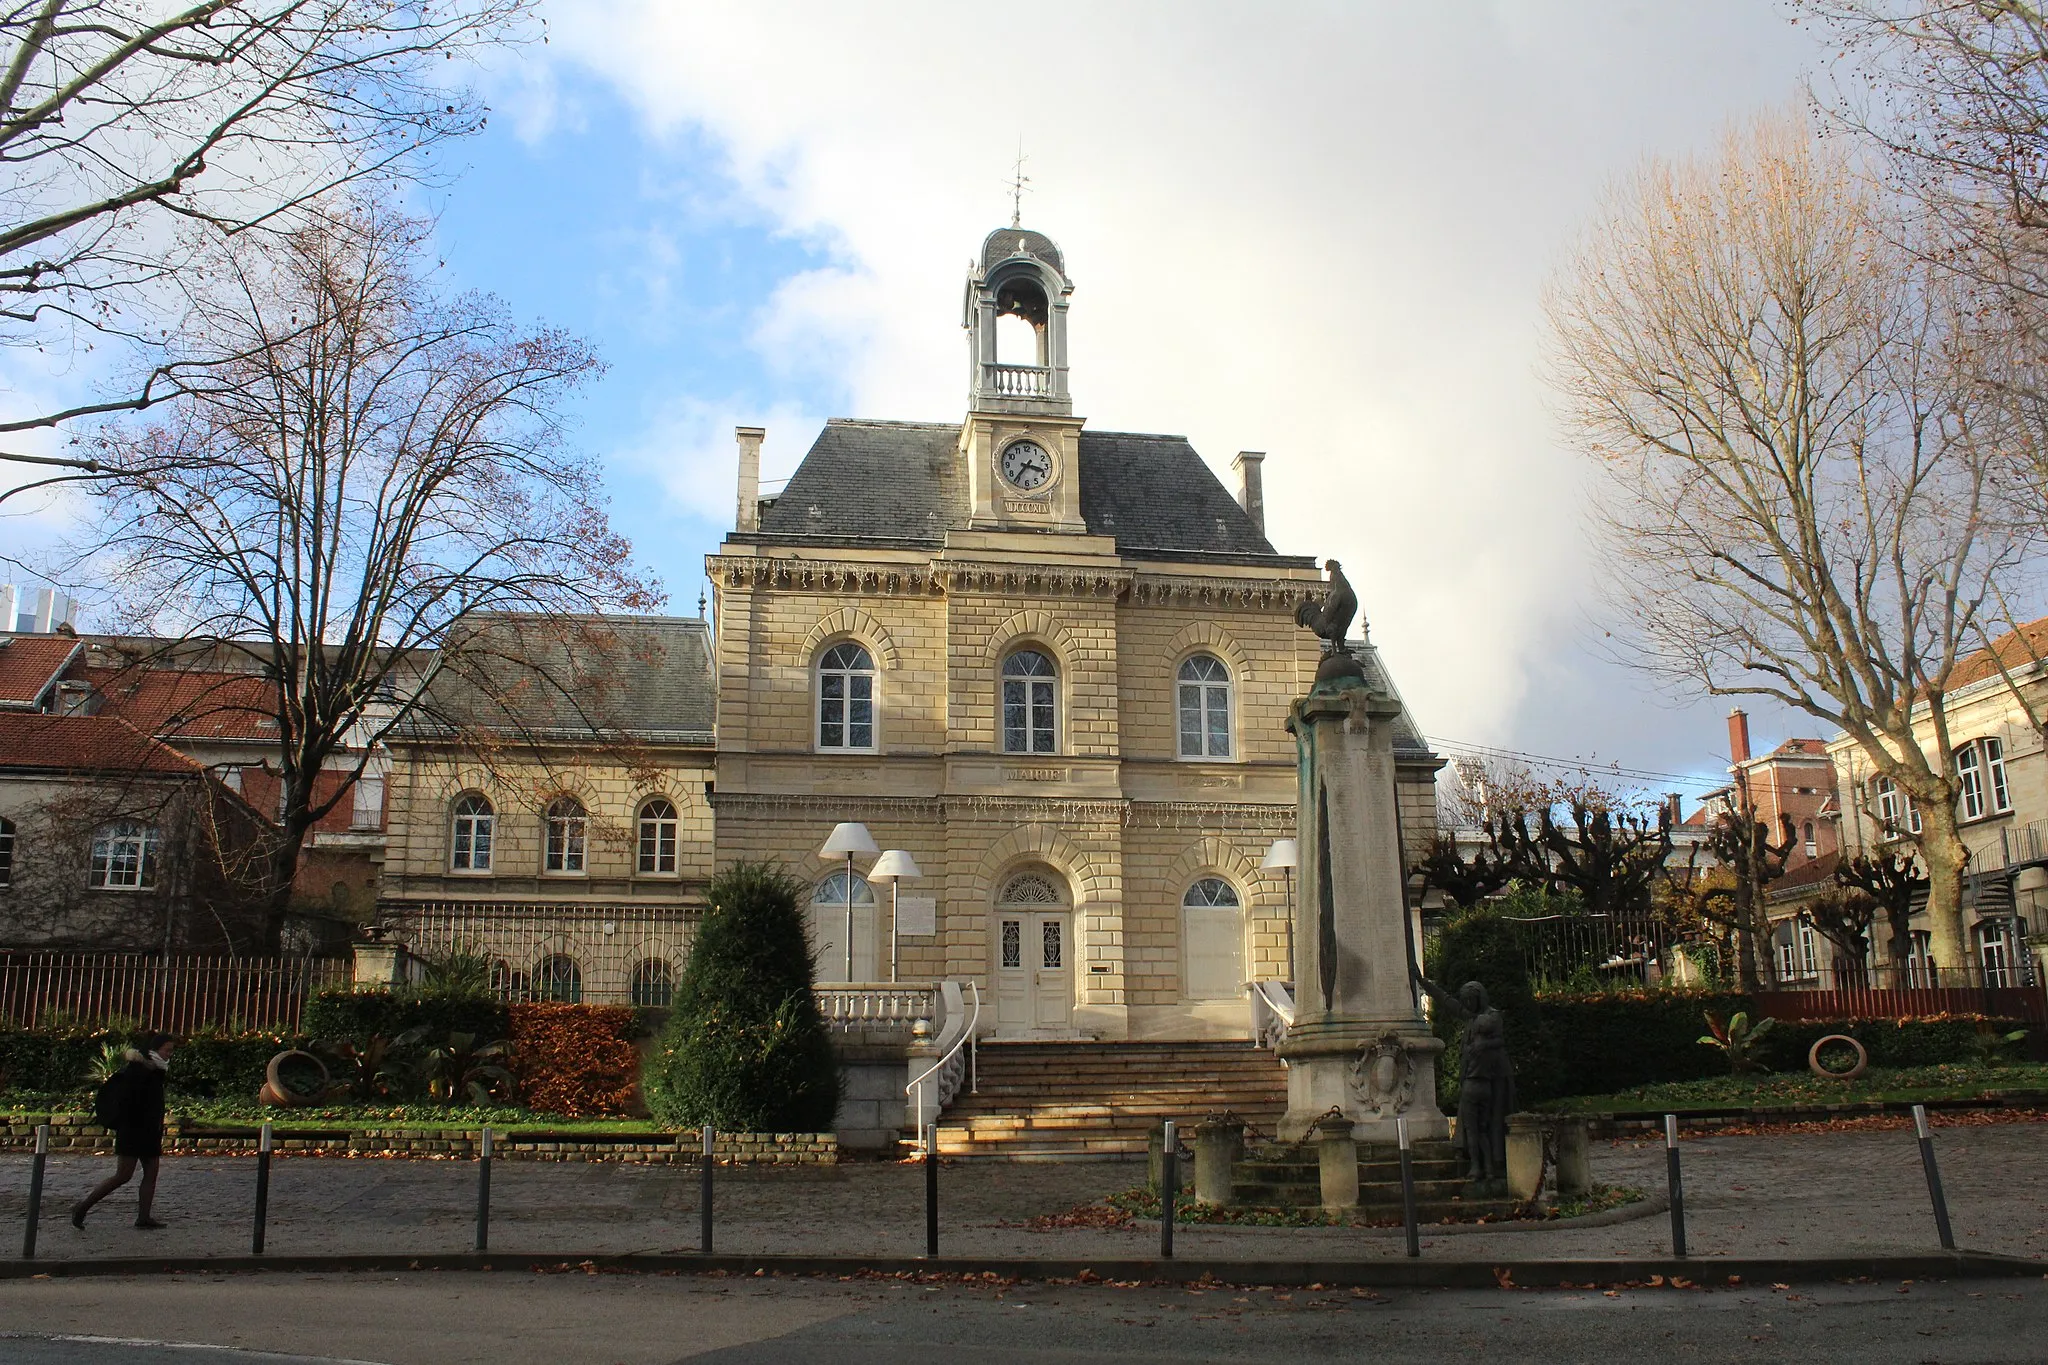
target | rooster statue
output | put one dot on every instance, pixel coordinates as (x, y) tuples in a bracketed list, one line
[(1331, 619)]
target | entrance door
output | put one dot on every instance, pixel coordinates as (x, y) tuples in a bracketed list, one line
[(1034, 958), (1034, 973)]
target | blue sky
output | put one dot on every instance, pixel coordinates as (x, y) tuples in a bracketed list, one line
[(1318, 228)]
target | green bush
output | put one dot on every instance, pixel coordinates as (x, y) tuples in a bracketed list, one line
[(215, 1065), (1482, 945), (56, 1060), (344, 1016), (745, 1047)]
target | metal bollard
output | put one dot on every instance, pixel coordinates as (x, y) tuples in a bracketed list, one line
[(1948, 1236), (35, 1191), (931, 1190), (1169, 1189), (1407, 1185), (1676, 1185), (705, 1167), (263, 1141), (483, 1189)]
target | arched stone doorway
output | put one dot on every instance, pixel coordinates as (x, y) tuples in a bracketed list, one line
[(1033, 932)]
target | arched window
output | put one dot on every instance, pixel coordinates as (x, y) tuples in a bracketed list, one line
[(654, 984), (1030, 685), (6, 853), (567, 826), (1812, 844), (1204, 708), (658, 836), (1212, 932), (846, 698), (474, 822), (558, 978), (831, 919), (507, 981), (124, 856)]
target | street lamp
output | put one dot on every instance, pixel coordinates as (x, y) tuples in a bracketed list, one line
[(893, 867), (1284, 856), (848, 838)]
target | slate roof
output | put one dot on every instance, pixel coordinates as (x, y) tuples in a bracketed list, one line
[(92, 744), (1004, 243), (901, 484), (1408, 736), (29, 664), (646, 678)]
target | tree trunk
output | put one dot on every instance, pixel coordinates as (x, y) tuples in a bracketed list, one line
[(1942, 849)]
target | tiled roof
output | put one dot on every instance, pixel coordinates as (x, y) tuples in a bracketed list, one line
[(96, 744), (648, 678), (902, 483), (174, 703), (1801, 748), (1408, 736), (29, 664), (2016, 649)]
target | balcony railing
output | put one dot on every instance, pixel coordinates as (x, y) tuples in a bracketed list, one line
[(1018, 381)]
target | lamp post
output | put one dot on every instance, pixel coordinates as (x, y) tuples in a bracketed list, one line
[(1285, 855), (848, 838), (893, 867)]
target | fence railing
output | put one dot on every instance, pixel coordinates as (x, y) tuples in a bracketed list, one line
[(1905, 1002), (176, 994)]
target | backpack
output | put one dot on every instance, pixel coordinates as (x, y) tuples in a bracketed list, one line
[(110, 1101)]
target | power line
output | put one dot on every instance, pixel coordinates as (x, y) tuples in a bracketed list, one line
[(1576, 764)]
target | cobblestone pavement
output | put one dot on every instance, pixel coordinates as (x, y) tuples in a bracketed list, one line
[(1819, 1193)]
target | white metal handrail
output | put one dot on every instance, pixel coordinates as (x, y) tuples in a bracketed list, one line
[(949, 1066), (1272, 1012)]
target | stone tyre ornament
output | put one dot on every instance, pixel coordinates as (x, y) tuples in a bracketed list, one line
[(294, 1077), (1813, 1058)]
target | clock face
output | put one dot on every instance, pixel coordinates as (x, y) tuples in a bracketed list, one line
[(1027, 465)]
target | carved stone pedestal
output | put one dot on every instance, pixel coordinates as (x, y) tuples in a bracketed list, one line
[(1359, 1043)]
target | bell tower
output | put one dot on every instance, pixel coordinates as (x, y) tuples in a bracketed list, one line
[(1021, 440)]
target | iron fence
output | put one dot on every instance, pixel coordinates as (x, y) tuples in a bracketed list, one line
[(596, 954), (175, 994)]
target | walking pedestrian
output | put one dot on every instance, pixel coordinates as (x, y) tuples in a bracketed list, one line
[(132, 1104)]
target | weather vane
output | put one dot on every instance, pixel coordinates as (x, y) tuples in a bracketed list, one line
[(1018, 180)]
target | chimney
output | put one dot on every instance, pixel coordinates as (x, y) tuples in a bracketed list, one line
[(748, 517), (1738, 735), (1251, 486), (1675, 803)]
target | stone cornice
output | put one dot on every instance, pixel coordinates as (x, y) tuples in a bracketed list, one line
[(1141, 814), (937, 578)]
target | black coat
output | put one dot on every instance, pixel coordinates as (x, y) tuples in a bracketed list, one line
[(141, 1129)]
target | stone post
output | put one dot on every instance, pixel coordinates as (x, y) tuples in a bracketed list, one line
[(1574, 1158), (1337, 1149), (1525, 1156), (1359, 1043), (379, 966), (1219, 1143)]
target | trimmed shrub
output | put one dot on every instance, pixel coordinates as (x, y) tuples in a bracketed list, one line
[(55, 1060), (345, 1016), (745, 1046), (213, 1065), (575, 1060)]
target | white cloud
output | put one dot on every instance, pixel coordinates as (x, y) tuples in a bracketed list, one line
[(1317, 230)]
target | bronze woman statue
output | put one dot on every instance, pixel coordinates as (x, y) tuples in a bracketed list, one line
[(1486, 1081)]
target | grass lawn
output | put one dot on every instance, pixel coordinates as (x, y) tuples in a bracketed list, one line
[(1908, 1085)]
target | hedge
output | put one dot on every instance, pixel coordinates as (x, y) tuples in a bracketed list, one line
[(207, 1065), (353, 1016), (576, 1060)]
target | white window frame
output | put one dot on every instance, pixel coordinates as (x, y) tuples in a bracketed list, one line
[(124, 856), (472, 833), (852, 679), (1203, 697), (567, 850), (658, 838), (1994, 769), (1041, 694), (1970, 782), (1812, 841)]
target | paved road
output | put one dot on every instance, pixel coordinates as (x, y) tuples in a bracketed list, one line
[(634, 1320), (1809, 1194)]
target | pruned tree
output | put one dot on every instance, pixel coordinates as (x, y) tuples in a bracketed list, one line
[(1892, 881), (1612, 859), (353, 514), (1741, 844), (1798, 469), (135, 137), (1843, 916)]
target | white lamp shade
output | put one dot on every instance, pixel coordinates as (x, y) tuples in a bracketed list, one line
[(1284, 853), (893, 864), (848, 837)]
